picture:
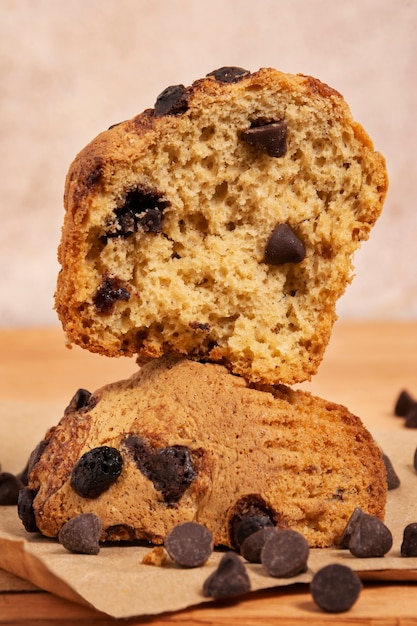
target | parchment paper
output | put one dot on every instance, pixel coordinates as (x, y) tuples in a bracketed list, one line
[(117, 583)]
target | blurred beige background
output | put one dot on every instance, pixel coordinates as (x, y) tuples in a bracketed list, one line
[(70, 69)]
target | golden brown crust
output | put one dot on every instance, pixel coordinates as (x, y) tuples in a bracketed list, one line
[(200, 287), (304, 461)]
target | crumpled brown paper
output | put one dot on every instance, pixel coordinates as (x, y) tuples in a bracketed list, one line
[(117, 583)]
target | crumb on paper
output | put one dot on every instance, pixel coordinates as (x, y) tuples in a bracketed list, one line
[(157, 557)]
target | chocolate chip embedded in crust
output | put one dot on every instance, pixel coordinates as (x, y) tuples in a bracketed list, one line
[(171, 469), (81, 534), (393, 482), (403, 404), (335, 588), (110, 291), (229, 74), (370, 538), (34, 457), (248, 525), (189, 544), (96, 470), (251, 547), (78, 401), (270, 138), (25, 509), (409, 542), (284, 246), (249, 514), (142, 210), (229, 579), (285, 554), (172, 101), (10, 486)]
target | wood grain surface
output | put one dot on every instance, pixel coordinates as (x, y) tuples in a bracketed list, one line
[(365, 367)]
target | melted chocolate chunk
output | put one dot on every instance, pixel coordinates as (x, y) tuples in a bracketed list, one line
[(25, 509), (10, 486), (229, 74), (142, 210), (335, 588), (170, 469), (172, 101), (81, 534), (270, 138), (251, 547), (96, 470), (409, 542), (284, 246), (285, 554), (229, 579), (404, 403), (110, 291), (249, 515), (393, 482), (189, 544), (370, 537), (79, 400)]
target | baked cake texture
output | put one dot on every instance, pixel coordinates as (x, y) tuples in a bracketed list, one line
[(220, 225), (187, 441)]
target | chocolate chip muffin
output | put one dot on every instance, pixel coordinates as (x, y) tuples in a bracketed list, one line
[(220, 225), (188, 441)]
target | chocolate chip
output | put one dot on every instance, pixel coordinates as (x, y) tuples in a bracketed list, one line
[(270, 138), (411, 418), (393, 482), (110, 291), (229, 74), (370, 538), (189, 544), (34, 457), (251, 547), (409, 543), (25, 509), (403, 404), (229, 579), (96, 470), (81, 534), (170, 469), (142, 210), (349, 528), (172, 101), (79, 400), (10, 486), (284, 246), (335, 588), (285, 554), (250, 513)]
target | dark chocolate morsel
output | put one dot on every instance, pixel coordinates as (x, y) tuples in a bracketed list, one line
[(415, 460), (229, 74), (172, 101), (351, 523), (189, 544), (171, 469), (81, 534), (110, 291), (409, 543), (270, 138), (285, 554), (393, 482), (403, 404), (411, 418), (370, 538), (25, 509), (10, 486), (78, 401), (335, 588), (284, 246), (250, 513), (251, 547), (34, 457), (96, 470), (229, 579), (142, 209)]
